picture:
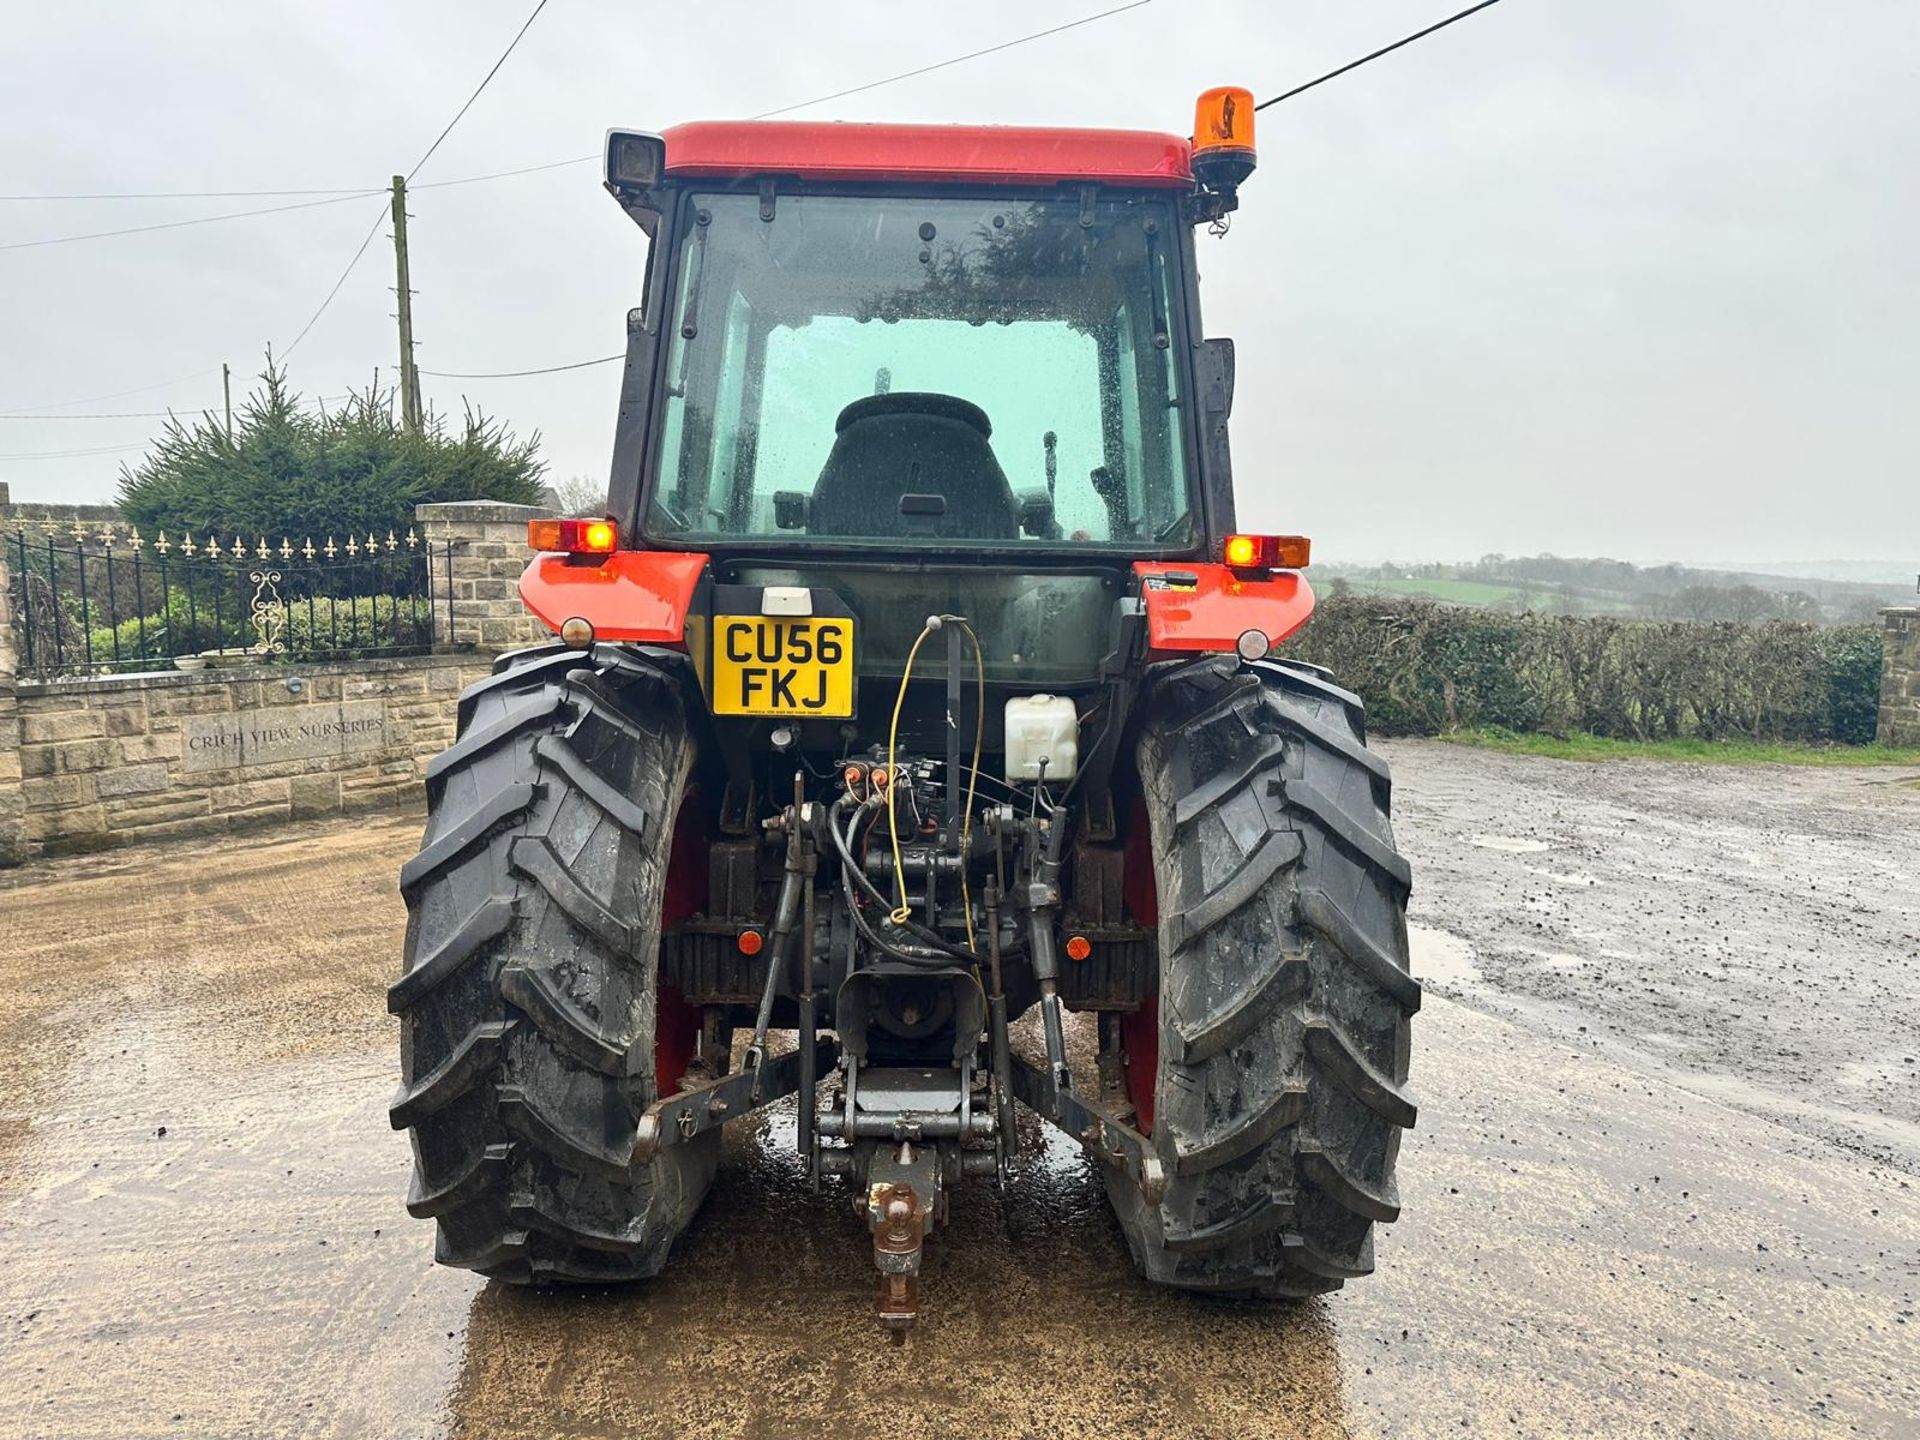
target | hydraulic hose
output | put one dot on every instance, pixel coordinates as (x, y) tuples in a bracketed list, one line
[(922, 959), (934, 622), (852, 875)]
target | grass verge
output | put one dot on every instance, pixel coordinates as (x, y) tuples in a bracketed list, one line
[(1708, 752)]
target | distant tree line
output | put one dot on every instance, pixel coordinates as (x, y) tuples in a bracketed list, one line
[(1576, 586)]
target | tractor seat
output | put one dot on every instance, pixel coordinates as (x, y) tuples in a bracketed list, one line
[(913, 464)]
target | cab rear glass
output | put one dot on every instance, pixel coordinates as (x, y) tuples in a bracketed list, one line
[(902, 370)]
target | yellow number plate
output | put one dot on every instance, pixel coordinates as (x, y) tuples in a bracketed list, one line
[(766, 666)]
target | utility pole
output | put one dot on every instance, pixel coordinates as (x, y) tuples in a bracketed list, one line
[(409, 377), (226, 389)]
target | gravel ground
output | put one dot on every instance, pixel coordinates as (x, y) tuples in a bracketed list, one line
[(1663, 1180), (1753, 928)]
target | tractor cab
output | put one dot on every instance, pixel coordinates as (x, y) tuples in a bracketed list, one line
[(972, 351)]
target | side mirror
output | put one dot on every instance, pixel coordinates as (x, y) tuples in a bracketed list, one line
[(792, 509), (1036, 515)]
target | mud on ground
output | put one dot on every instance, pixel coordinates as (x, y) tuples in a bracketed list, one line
[(1663, 1180)]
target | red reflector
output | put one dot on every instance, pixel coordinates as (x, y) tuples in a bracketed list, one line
[(1079, 947), (574, 537), (750, 942)]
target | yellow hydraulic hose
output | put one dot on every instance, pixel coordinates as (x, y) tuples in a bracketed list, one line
[(901, 914)]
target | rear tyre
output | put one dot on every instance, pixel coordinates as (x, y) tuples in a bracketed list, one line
[(533, 1032), (1271, 1072)]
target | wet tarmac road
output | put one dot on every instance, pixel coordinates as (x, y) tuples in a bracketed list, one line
[(1661, 1224)]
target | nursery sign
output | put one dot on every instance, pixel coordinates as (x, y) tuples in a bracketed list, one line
[(269, 736)]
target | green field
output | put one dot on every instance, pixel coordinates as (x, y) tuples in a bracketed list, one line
[(1593, 748), (1486, 593), (1454, 592)]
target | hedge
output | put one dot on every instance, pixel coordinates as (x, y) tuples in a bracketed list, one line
[(326, 628), (1424, 668)]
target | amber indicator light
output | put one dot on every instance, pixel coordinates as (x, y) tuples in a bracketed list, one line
[(1266, 552), (1242, 552)]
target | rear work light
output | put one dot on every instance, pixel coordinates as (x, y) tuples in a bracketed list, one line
[(635, 160), (1266, 552), (574, 537)]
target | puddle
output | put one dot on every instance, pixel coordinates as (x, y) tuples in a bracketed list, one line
[(1441, 958), (201, 1251), (1544, 961), (1878, 1071), (1059, 1156), (1511, 844), (1561, 877), (1662, 1041)]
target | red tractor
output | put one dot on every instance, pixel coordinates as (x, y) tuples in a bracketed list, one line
[(917, 677)]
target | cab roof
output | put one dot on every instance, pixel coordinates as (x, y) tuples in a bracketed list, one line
[(967, 154)]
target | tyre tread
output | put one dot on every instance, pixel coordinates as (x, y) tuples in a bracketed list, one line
[(520, 1000), (1283, 1040)]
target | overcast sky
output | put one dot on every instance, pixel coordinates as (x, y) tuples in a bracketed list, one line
[(1626, 277)]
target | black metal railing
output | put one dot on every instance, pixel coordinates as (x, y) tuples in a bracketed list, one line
[(90, 599)]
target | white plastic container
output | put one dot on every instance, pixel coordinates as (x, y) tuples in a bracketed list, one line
[(1042, 727)]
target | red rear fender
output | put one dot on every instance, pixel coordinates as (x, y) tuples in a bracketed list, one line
[(1208, 607), (645, 595), (639, 595)]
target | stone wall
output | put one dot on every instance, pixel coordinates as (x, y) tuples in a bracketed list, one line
[(104, 760), (144, 757), (13, 805), (489, 551), (1900, 679)]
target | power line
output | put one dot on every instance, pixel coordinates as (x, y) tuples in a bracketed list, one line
[(116, 394), (180, 224), (102, 415), (956, 60), (582, 159), (525, 26), (76, 454), (1384, 50), (186, 194), (515, 374), (505, 174), (764, 115), (372, 230), (155, 414), (541, 5), (347, 193)]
